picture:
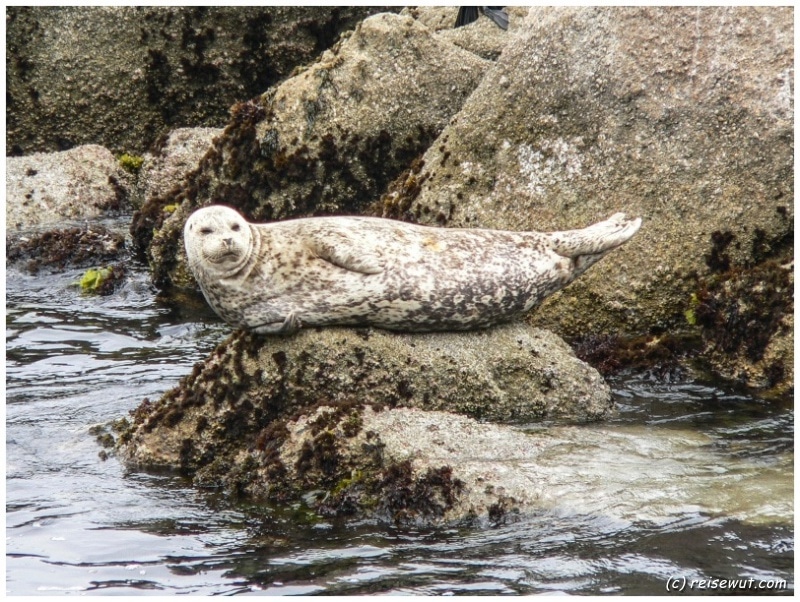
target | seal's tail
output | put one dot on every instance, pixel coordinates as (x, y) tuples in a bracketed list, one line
[(597, 239)]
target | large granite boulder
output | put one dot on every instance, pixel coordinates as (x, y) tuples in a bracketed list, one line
[(683, 116), (122, 76), (680, 115)]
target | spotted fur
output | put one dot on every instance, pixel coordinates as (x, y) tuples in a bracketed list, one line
[(275, 278)]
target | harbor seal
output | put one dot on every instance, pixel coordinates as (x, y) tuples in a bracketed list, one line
[(321, 271)]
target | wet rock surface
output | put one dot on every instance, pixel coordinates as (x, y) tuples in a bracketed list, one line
[(229, 421), (746, 316), (457, 469), (61, 248)]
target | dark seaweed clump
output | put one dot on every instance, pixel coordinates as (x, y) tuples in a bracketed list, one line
[(63, 248), (657, 355)]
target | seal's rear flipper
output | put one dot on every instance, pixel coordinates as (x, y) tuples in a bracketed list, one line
[(596, 239)]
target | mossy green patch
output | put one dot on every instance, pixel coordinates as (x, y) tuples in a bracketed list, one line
[(131, 163), (93, 279), (101, 281), (691, 316)]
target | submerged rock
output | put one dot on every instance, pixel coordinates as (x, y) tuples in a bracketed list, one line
[(61, 248), (234, 421)]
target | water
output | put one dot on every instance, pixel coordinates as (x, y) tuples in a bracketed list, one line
[(691, 480)]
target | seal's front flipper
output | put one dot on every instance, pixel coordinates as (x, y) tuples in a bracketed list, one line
[(349, 253), (290, 325)]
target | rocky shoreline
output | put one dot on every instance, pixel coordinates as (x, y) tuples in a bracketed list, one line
[(681, 116)]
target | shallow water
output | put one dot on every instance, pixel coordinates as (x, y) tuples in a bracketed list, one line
[(691, 480)]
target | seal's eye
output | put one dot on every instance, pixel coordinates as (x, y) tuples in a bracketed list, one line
[(206, 230), (236, 227)]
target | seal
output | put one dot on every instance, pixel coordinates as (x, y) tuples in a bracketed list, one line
[(321, 271)]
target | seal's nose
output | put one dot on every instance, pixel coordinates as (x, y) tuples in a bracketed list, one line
[(228, 242)]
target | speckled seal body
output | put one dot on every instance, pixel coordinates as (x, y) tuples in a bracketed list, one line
[(274, 278)]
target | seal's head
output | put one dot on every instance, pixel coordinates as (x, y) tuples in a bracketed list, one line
[(217, 240)]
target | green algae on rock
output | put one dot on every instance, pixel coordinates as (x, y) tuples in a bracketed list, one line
[(102, 281), (130, 163)]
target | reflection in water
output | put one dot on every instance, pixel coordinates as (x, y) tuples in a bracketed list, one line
[(689, 480)]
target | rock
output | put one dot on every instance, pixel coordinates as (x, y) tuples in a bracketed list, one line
[(45, 189), (62, 248), (327, 140), (747, 321), (680, 115), (457, 468), (482, 37), (123, 76), (103, 281), (179, 154), (232, 420)]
